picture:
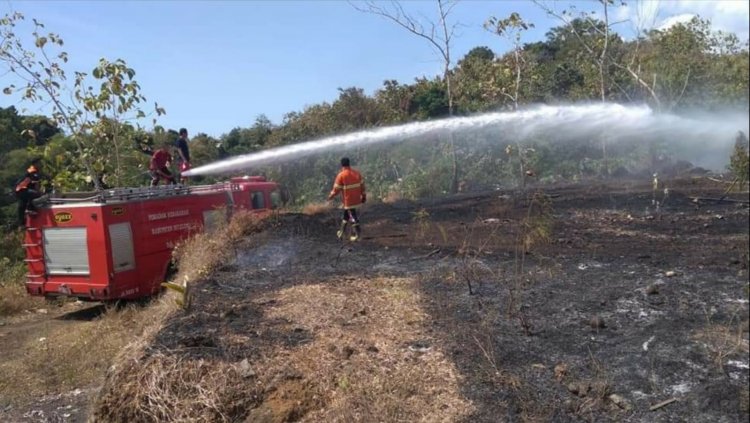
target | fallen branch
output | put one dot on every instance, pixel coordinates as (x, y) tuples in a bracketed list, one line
[(426, 256), (719, 200), (385, 236), (662, 404), (718, 180)]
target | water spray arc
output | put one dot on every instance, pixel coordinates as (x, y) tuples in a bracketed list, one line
[(559, 123)]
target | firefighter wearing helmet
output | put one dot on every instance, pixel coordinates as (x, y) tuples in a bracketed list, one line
[(26, 190), (351, 186)]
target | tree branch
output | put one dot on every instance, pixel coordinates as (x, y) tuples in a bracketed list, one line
[(402, 19), (684, 86), (643, 83)]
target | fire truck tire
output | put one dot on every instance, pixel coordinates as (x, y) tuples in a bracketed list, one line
[(169, 272)]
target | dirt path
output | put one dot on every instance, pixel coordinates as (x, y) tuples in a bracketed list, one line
[(54, 358), (27, 391)]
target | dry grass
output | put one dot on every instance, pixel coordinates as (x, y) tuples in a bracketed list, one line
[(204, 252), (15, 300), (312, 209), (172, 389), (13, 296), (362, 357), (723, 341), (58, 356), (357, 366)]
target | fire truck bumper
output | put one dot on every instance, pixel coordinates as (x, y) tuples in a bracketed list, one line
[(83, 291)]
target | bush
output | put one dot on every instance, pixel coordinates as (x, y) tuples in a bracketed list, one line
[(13, 296), (739, 163)]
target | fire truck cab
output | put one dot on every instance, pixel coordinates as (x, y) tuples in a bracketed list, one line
[(117, 244)]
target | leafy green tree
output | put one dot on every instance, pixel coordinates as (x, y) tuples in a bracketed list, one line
[(482, 54), (429, 99), (592, 32), (91, 116), (354, 110), (477, 80), (394, 100)]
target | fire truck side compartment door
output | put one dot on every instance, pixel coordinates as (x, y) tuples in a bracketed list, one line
[(121, 239), (257, 201), (66, 251), (276, 199)]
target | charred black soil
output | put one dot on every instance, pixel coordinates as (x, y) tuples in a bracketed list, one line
[(577, 303)]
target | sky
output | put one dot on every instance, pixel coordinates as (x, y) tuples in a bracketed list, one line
[(218, 65)]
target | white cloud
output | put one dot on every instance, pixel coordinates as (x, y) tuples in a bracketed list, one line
[(674, 20), (725, 15)]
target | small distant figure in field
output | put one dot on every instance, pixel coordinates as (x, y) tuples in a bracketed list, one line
[(183, 153), (351, 186), (27, 189), (159, 165)]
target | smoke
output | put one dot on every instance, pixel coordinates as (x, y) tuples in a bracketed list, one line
[(703, 138)]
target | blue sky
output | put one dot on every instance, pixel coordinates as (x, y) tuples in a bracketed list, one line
[(218, 65)]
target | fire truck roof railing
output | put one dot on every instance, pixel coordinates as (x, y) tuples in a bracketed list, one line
[(125, 194)]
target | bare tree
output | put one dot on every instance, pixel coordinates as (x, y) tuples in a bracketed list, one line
[(600, 58), (439, 35), (511, 28), (643, 22)]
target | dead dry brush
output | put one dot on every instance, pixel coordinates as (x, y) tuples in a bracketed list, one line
[(201, 254), (144, 385), (533, 230), (13, 296), (723, 341), (169, 388)]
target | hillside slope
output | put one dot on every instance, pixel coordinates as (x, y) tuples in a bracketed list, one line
[(565, 304)]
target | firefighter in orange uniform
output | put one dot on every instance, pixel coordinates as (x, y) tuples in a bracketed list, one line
[(27, 189), (350, 184)]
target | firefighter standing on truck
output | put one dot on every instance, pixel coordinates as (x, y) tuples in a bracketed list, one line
[(159, 165), (27, 189), (350, 184), (183, 153)]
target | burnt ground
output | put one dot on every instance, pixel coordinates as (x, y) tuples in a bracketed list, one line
[(575, 303)]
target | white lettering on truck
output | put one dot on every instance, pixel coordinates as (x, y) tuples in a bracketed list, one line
[(171, 228), (174, 213)]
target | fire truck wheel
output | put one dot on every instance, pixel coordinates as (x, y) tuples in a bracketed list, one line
[(171, 271)]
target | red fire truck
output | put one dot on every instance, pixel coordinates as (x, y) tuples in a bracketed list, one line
[(117, 244)]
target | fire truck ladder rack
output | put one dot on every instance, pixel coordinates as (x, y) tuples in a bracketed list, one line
[(124, 194), (34, 242)]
